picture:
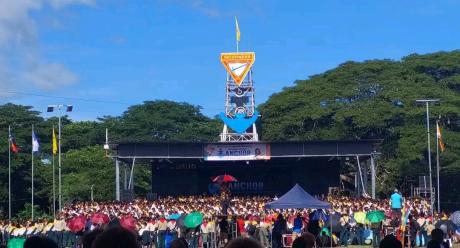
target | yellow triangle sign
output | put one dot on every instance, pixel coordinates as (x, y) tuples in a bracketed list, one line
[(238, 64)]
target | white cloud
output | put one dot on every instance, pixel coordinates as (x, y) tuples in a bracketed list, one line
[(49, 76), (21, 63), (63, 3), (198, 5), (205, 9)]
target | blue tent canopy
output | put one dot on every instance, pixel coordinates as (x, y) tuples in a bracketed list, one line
[(297, 197)]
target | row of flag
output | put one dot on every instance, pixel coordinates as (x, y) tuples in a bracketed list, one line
[(35, 145), (14, 148)]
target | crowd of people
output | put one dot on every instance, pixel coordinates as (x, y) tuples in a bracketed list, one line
[(158, 222)]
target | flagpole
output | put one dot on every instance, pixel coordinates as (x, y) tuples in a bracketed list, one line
[(54, 179), (9, 172), (32, 173), (437, 164), (59, 159), (237, 29)]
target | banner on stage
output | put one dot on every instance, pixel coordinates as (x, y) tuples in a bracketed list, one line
[(230, 152)]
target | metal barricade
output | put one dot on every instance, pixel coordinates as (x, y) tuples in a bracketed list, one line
[(213, 239), (234, 230), (208, 240)]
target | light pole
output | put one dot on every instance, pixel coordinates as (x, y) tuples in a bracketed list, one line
[(50, 109), (427, 102)]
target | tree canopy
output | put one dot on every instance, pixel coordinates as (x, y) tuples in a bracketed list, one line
[(373, 99)]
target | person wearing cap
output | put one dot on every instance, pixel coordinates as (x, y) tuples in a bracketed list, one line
[(396, 201)]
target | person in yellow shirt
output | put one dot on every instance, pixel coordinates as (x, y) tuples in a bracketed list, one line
[(48, 227), (21, 231)]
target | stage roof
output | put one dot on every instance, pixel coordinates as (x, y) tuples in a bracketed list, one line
[(182, 150)]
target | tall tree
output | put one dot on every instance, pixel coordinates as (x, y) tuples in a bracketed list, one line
[(375, 100), (165, 121)]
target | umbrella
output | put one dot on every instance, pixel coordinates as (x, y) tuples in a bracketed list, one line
[(77, 223), (99, 218), (193, 220), (224, 179), (326, 231), (375, 216), (174, 216), (446, 226), (360, 217), (128, 222), (455, 218), (16, 243)]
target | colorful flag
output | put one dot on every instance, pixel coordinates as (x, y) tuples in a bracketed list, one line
[(13, 146), (55, 146), (35, 144), (439, 136), (238, 34)]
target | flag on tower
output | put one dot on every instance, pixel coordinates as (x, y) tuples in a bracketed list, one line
[(55, 146), (35, 144), (238, 34), (439, 136)]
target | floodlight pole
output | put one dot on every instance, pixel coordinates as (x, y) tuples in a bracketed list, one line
[(429, 153), (427, 102), (51, 109)]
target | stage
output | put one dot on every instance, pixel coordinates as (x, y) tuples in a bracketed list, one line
[(262, 168)]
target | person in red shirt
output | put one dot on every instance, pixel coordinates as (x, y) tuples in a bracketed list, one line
[(241, 228)]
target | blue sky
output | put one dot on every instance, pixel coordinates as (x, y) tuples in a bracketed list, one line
[(105, 55)]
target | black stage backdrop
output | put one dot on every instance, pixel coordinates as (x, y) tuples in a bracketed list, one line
[(271, 177)]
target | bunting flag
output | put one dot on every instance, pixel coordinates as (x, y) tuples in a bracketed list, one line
[(439, 136), (13, 146), (55, 146), (35, 144)]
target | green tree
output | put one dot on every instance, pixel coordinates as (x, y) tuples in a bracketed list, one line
[(375, 100), (85, 167), (165, 121), (20, 118)]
